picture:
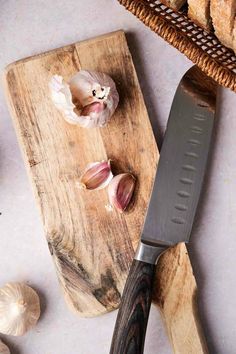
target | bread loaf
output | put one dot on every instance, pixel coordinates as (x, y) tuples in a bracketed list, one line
[(223, 16), (234, 36), (199, 12), (174, 4), (217, 15)]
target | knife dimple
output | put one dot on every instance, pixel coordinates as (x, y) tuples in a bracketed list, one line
[(181, 207), (192, 154), (194, 142), (178, 220), (199, 117), (183, 194), (186, 181), (196, 130), (189, 167)]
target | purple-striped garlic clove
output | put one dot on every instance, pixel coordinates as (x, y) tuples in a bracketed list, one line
[(97, 175), (92, 108), (120, 191)]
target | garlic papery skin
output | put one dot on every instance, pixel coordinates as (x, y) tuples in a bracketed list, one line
[(62, 98), (97, 175), (120, 191), (4, 349), (88, 99), (19, 309)]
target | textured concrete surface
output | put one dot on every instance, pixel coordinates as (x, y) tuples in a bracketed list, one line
[(30, 27)]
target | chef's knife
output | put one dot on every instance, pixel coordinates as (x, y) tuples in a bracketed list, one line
[(173, 203)]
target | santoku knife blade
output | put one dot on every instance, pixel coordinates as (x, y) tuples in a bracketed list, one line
[(173, 203)]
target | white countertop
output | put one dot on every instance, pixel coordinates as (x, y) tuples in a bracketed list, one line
[(30, 27)]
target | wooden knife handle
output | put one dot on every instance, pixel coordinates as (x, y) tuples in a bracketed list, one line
[(131, 323)]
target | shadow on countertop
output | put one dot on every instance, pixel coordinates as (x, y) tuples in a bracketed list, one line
[(12, 347), (145, 87)]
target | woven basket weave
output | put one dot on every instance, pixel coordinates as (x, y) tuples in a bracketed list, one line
[(176, 28)]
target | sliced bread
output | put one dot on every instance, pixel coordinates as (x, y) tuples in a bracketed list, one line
[(223, 16), (234, 36), (174, 4), (199, 12)]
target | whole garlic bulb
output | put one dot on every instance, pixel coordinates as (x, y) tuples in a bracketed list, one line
[(4, 349), (19, 309), (89, 99)]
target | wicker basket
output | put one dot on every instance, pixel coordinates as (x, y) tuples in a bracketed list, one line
[(176, 28)]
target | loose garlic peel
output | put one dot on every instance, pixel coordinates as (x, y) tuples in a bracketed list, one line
[(19, 309), (89, 99), (4, 349)]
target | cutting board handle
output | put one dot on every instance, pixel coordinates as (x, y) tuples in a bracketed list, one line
[(131, 323), (175, 292)]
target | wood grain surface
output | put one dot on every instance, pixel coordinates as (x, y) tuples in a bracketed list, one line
[(91, 247), (175, 292)]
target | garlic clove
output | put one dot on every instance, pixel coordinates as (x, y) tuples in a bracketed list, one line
[(4, 349), (74, 98), (19, 309), (120, 191), (97, 175), (92, 108)]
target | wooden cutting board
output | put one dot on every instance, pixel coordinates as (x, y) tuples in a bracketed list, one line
[(91, 247)]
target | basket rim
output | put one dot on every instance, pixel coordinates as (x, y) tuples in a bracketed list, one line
[(160, 24)]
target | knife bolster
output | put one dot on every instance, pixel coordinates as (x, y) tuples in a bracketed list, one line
[(148, 253)]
